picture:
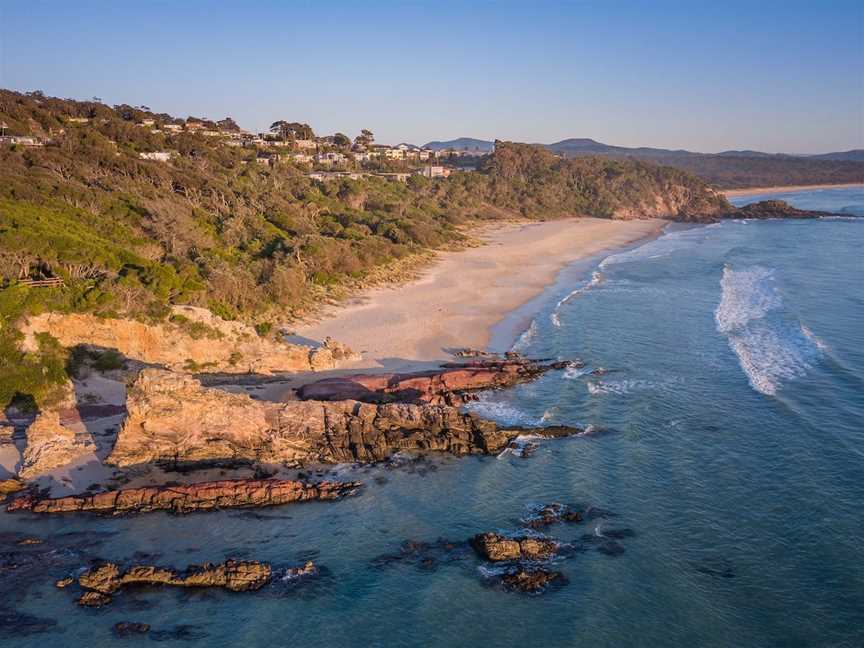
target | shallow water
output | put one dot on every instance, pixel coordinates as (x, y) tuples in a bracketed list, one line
[(735, 424)]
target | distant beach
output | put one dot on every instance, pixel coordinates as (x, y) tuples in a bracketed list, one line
[(771, 190), (457, 301)]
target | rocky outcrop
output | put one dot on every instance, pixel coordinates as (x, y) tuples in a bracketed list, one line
[(51, 443), (196, 338), (776, 209), (530, 581), (10, 486), (551, 514), (172, 418), (448, 385), (237, 576), (203, 496), (496, 548)]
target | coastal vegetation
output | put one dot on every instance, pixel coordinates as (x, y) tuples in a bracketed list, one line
[(89, 225)]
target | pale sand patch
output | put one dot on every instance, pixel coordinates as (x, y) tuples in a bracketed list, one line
[(457, 300), (769, 190)]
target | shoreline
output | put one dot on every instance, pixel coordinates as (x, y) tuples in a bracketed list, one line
[(755, 191), (465, 295)]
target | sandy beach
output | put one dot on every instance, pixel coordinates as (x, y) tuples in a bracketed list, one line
[(769, 190), (457, 300)]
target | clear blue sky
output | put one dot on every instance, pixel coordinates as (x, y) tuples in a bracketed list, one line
[(776, 76)]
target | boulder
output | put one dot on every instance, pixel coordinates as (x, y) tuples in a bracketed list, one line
[(497, 548), (52, 442), (551, 514), (129, 628), (237, 576), (202, 496), (530, 581)]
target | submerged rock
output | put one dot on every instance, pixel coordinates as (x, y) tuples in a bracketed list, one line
[(551, 514), (172, 418), (94, 599), (237, 576), (203, 496), (496, 548), (129, 628), (531, 581)]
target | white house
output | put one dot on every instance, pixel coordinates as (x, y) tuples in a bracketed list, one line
[(159, 156)]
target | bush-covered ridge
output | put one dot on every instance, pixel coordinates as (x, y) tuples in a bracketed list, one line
[(211, 227)]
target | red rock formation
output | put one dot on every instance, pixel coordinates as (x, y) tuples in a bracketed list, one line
[(191, 497), (445, 386), (496, 548)]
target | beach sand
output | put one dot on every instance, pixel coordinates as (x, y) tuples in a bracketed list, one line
[(769, 190), (463, 294)]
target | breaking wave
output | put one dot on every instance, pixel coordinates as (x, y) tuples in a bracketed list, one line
[(502, 413), (596, 280), (769, 347), (527, 336), (619, 387)]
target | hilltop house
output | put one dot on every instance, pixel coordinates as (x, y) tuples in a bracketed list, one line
[(159, 156), (433, 171)]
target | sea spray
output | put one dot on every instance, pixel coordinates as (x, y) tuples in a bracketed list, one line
[(770, 348)]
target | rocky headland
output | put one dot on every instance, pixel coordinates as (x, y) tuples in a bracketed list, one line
[(202, 496)]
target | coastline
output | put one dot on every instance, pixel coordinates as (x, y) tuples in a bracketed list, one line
[(457, 301), (755, 191)]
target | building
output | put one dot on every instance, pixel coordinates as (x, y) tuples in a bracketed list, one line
[(433, 171), (330, 158), (78, 120), (301, 158), (159, 156), (304, 144), (173, 128), (268, 159), (21, 140)]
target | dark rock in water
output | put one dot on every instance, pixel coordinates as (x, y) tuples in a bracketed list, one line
[(179, 633), (19, 624), (595, 512), (775, 209), (238, 576), (618, 534), (496, 548), (129, 628), (191, 497), (531, 581), (425, 555), (94, 599), (717, 568), (610, 548), (551, 514)]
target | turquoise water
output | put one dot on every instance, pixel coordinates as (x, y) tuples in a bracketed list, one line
[(733, 422)]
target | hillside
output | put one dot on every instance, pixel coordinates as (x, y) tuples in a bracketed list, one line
[(726, 170), (210, 226)]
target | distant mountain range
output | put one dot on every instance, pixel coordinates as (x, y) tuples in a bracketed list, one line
[(574, 147)]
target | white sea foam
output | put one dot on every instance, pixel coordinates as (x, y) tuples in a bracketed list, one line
[(770, 347), (501, 412), (525, 339), (619, 387), (574, 373), (596, 280)]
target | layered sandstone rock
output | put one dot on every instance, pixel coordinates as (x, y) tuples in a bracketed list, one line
[(186, 498), (448, 385), (496, 548), (237, 576), (173, 418), (209, 342), (52, 442)]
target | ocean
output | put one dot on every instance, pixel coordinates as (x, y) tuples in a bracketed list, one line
[(723, 398)]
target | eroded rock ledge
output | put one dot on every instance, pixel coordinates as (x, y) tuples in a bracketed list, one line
[(172, 418), (237, 576), (203, 496), (450, 385)]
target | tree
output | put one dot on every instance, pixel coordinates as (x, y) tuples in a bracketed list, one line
[(287, 130), (341, 140), (228, 124), (365, 138)]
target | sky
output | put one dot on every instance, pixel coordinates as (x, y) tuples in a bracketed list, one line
[(705, 76)]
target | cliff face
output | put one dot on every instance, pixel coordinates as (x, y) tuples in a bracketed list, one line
[(173, 418), (219, 345)]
